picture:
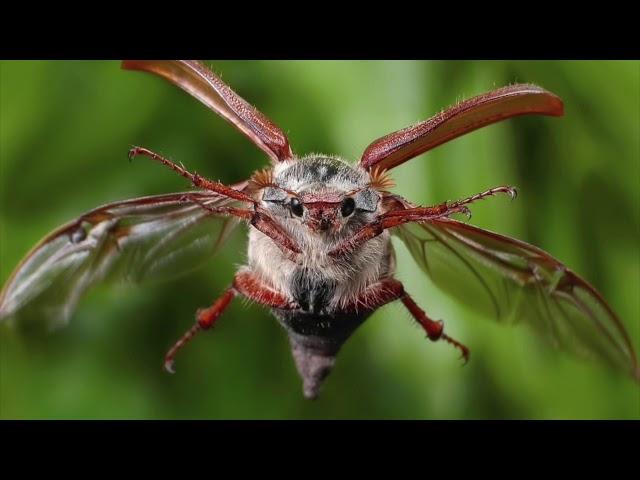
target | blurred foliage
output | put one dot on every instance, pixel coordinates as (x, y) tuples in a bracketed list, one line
[(65, 128)]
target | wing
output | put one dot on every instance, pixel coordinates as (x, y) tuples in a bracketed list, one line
[(133, 240), (514, 282), (200, 82), (398, 147)]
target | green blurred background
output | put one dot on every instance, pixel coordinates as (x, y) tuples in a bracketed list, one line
[(65, 128)]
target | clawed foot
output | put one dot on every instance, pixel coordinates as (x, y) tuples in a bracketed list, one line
[(464, 210), (511, 191), (170, 365), (460, 206), (133, 152), (463, 348)]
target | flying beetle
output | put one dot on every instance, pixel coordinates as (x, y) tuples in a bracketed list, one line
[(319, 249)]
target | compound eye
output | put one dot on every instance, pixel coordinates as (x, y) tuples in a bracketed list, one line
[(348, 206), (296, 207)]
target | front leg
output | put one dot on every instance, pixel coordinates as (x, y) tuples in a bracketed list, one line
[(392, 219), (402, 213), (262, 221), (194, 178), (256, 217)]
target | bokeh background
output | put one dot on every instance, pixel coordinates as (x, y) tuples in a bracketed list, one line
[(65, 128)]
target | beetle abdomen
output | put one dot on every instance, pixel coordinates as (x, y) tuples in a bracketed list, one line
[(315, 341), (320, 330)]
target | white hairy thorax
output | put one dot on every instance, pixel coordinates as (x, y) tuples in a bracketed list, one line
[(363, 267)]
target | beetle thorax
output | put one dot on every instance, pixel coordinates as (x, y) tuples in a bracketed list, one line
[(320, 201)]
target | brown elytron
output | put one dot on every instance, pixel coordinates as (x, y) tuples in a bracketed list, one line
[(319, 252)]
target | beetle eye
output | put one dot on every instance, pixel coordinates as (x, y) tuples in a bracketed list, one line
[(348, 206), (296, 207)]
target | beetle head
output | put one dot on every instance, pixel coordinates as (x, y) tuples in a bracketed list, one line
[(323, 195)]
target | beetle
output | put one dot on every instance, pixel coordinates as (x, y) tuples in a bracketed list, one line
[(319, 251)]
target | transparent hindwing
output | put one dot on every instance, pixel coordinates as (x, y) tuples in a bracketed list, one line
[(514, 282), (154, 237)]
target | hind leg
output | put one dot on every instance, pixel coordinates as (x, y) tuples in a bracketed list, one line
[(205, 319), (433, 328), (391, 289), (244, 283)]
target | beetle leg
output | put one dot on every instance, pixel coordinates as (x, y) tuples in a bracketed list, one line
[(433, 328), (262, 221), (245, 283), (258, 218), (205, 319), (401, 215), (375, 296), (511, 191), (392, 219), (195, 179), (390, 289), (252, 287)]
